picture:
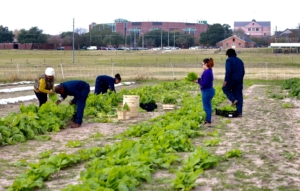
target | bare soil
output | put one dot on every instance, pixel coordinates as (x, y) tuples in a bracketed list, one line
[(267, 135)]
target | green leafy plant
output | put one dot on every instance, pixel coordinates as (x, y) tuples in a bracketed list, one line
[(42, 138), (53, 97), (277, 96), (20, 163), (287, 105), (126, 107), (74, 144), (233, 153), (45, 154), (191, 76), (211, 142), (289, 155), (169, 100), (147, 99), (227, 108), (97, 136)]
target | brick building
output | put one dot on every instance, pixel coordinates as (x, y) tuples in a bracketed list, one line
[(254, 28), (236, 42), (26, 46), (124, 27)]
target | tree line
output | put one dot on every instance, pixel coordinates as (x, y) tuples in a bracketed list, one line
[(108, 38)]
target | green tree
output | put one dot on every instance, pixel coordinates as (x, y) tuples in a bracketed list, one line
[(34, 35), (115, 39), (263, 41), (215, 33), (6, 35), (155, 37), (185, 41)]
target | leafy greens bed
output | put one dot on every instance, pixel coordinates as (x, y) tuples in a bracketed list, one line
[(128, 162)]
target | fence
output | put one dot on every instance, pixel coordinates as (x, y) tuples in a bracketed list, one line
[(161, 71)]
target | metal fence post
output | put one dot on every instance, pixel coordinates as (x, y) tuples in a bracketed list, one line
[(62, 71)]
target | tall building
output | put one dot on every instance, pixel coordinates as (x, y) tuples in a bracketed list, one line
[(124, 27), (254, 28)]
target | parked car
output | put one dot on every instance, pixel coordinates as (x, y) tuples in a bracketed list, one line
[(60, 48), (101, 48), (83, 48), (92, 48)]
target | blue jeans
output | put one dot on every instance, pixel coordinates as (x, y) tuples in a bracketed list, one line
[(80, 105), (207, 96), (234, 91)]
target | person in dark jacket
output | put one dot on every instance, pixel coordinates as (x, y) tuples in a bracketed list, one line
[(44, 85), (80, 90), (207, 90), (103, 83), (233, 82)]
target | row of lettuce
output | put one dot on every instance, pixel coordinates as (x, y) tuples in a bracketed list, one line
[(32, 121), (142, 150)]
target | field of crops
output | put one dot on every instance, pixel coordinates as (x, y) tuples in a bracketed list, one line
[(160, 150)]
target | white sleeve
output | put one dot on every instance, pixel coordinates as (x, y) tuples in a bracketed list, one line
[(60, 97)]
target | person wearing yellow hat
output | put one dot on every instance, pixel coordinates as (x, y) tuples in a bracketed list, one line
[(44, 85)]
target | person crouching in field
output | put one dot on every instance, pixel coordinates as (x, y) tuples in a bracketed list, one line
[(80, 90), (103, 83), (44, 85), (207, 90)]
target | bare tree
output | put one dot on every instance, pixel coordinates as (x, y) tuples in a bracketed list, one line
[(56, 40), (80, 31), (16, 33), (240, 32)]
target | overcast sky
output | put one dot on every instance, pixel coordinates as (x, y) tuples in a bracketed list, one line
[(56, 16)]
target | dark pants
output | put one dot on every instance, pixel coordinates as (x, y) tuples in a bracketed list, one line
[(42, 97), (80, 105), (100, 88), (234, 91), (207, 96)]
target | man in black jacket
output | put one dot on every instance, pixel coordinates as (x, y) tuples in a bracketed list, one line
[(234, 77)]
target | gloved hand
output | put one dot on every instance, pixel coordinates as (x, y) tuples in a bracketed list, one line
[(57, 102)]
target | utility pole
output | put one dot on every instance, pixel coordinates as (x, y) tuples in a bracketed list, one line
[(276, 34), (73, 42), (168, 37), (174, 39), (143, 40), (161, 38)]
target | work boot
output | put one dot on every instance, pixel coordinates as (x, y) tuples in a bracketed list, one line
[(206, 124), (75, 125), (234, 103)]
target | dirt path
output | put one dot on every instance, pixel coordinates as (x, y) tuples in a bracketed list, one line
[(267, 134), (31, 149)]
